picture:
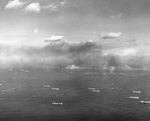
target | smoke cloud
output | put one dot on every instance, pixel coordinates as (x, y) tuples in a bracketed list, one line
[(89, 54)]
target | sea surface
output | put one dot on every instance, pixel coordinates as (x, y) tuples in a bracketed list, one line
[(43, 94)]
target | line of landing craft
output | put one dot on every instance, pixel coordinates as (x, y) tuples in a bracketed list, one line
[(72, 68)]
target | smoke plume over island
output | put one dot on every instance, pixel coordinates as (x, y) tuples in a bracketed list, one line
[(87, 54)]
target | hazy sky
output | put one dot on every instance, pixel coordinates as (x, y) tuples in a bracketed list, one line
[(34, 20)]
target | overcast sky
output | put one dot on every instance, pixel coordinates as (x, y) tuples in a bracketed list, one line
[(34, 20)]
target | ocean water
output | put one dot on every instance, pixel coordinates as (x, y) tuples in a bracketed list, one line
[(42, 94)]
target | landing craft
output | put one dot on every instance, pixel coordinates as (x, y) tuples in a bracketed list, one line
[(110, 35)]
